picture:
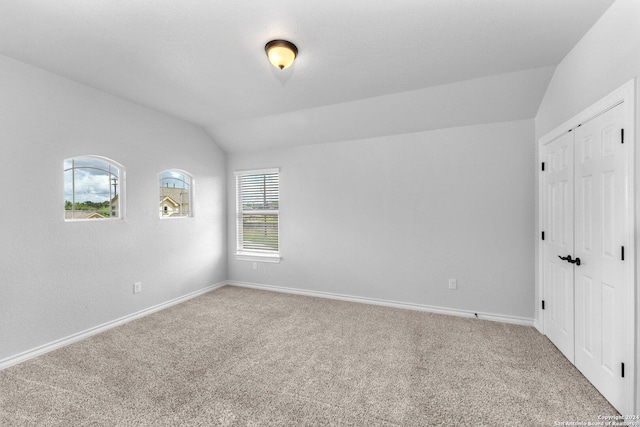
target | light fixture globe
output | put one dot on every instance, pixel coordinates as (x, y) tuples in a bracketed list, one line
[(281, 53)]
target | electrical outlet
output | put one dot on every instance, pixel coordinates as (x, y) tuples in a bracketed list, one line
[(137, 287), (254, 265), (453, 284)]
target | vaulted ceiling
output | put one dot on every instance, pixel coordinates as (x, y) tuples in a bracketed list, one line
[(366, 68)]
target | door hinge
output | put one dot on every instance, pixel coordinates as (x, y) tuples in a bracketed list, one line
[(622, 252), (543, 166), (543, 235), (543, 304), (622, 369), (621, 136)]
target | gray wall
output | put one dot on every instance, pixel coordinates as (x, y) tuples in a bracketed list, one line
[(62, 278), (603, 60), (395, 217)]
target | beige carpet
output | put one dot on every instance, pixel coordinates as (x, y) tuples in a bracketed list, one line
[(243, 357)]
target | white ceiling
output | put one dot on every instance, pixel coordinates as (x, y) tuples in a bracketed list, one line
[(366, 67)]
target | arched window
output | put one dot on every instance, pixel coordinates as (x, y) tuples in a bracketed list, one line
[(176, 194), (93, 188)]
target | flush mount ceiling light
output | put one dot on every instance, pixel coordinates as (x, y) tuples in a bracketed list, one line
[(281, 53)]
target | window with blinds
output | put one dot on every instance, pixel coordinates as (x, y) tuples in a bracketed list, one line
[(258, 211)]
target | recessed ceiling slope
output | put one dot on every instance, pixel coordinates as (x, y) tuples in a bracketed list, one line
[(204, 61), (497, 98)]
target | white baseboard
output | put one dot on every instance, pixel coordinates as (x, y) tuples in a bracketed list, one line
[(538, 326), (374, 301), (29, 354)]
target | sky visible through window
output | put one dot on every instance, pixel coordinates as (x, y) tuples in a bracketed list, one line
[(174, 179), (95, 180)]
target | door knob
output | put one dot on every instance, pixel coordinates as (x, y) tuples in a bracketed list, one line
[(569, 259)]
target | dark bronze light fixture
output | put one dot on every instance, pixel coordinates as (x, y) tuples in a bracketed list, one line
[(281, 53)]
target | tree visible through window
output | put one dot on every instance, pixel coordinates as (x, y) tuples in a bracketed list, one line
[(258, 211), (92, 188), (175, 194)]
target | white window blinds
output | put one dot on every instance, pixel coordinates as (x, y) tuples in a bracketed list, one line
[(257, 211)]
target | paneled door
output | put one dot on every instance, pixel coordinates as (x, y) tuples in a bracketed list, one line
[(558, 273), (587, 284), (601, 233)]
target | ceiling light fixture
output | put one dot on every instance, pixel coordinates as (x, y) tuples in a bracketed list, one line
[(281, 53)]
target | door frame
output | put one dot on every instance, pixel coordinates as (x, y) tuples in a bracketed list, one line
[(627, 94)]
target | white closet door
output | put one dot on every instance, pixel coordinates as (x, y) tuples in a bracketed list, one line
[(601, 285), (558, 274)]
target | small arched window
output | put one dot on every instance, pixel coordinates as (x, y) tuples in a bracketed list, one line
[(93, 188), (176, 194)]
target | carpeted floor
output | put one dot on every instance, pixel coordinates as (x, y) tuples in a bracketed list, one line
[(243, 357)]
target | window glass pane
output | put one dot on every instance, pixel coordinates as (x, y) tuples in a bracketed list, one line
[(174, 183), (91, 189), (92, 192), (175, 194), (258, 216), (89, 162), (68, 193), (260, 232), (260, 192)]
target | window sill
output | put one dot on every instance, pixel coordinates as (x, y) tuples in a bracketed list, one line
[(92, 219), (258, 257)]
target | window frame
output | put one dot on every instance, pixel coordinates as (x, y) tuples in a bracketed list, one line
[(121, 185), (256, 255), (191, 185)]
